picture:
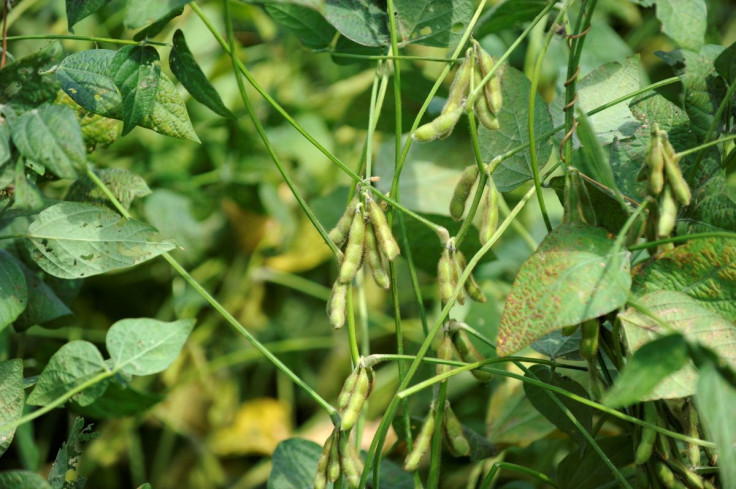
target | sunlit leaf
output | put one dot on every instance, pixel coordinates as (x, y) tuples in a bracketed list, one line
[(684, 21), (136, 73), (142, 12), (77, 10)]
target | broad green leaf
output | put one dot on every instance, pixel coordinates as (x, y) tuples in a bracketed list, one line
[(44, 305), (585, 470), (4, 141), (574, 275), (509, 13), (76, 10), (136, 73), (23, 479), (514, 132), (146, 346), (71, 366), (715, 399), (361, 21), (725, 63), (604, 84), (684, 21), (556, 345), (51, 135), (704, 269), (143, 12), (124, 185), (74, 240), (187, 71), (24, 83), (432, 22), (309, 26), (649, 365), (158, 26), (87, 77), (11, 398), (119, 401), (27, 195), (13, 289), (686, 316), (713, 207), (294, 464), (96, 129), (542, 401)]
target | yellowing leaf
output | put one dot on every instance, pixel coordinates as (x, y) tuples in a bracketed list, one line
[(259, 425), (308, 251)]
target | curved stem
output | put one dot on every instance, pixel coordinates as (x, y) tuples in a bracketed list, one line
[(73, 37)]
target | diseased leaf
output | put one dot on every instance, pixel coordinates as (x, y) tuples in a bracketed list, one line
[(71, 366), (24, 83), (715, 399), (187, 71), (77, 10), (143, 12), (124, 185), (136, 73), (514, 132), (432, 22), (74, 240), (308, 25), (87, 77), (686, 316), (684, 21), (51, 135), (12, 398), (96, 129), (67, 458), (23, 479), (146, 346), (13, 289), (649, 365), (725, 63), (574, 275)]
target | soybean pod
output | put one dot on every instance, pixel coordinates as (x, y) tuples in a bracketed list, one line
[(385, 238), (459, 87), (648, 436), (471, 286), (444, 352), (339, 234), (667, 213), (354, 249), (492, 89), (467, 351), (489, 221), (462, 191), (445, 274), (347, 390), (589, 341), (481, 109), (337, 305), (355, 405), (655, 162), (373, 259), (348, 464), (421, 443), (453, 431), (680, 188), (320, 479), (333, 466)]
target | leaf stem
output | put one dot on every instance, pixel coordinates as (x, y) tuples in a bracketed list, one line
[(74, 37)]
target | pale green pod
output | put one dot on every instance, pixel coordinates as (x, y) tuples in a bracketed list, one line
[(471, 286), (489, 221), (444, 352), (589, 341), (355, 406), (482, 111), (445, 123), (350, 468), (665, 475), (667, 213), (692, 480), (655, 163), (354, 249), (462, 191), (421, 443), (373, 259), (492, 89), (385, 238), (339, 234), (455, 437), (680, 188), (690, 428), (320, 479), (648, 437), (444, 276), (457, 270), (425, 133), (347, 390), (333, 465), (337, 305), (469, 354), (459, 87)]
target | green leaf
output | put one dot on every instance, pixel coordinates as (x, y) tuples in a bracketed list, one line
[(556, 345), (24, 83), (574, 275), (514, 131), (96, 129), (158, 26), (119, 401), (542, 401), (13, 289), (512, 420), (715, 399), (72, 365), (361, 21), (583, 470), (187, 71), (309, 26), (74, 240), (649, 365), (509, 13), (704, 269), (76, 10), (318, 5), (136, 73), (146, 346), (432, 22), (143, 12), (44, 305), (22, 479), (124, 185), (87, 77), (11, 398), (294, 464), (51, 135), (594, 160), (4, 141), (684, 315), (725, 63), (684, 21)]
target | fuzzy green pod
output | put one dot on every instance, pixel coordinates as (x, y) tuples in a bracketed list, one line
[(320, 479), (440, 127), (680, 188), (337, 305), (385, 238), (373, 259), (347, 390), (339, 234), (667, 213), (444, 352), (355, 405), (481, 109), (690, 428), (648, 437), (692, 480), (350, 469), (333, 465), (489, 222), (452, 428), (471, 286), (667, 477), (492, 89), (421, 443), (457, 270), (589, 341), (655, 162), (469, 354), (354, 249), (459, 87), (462, 191), (445, 274)]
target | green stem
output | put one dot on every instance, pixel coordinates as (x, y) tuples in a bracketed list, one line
[(73, 37), (678, 239), (487, 482), (435, 454), (381, 57), (352, 336), (700, 147)]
